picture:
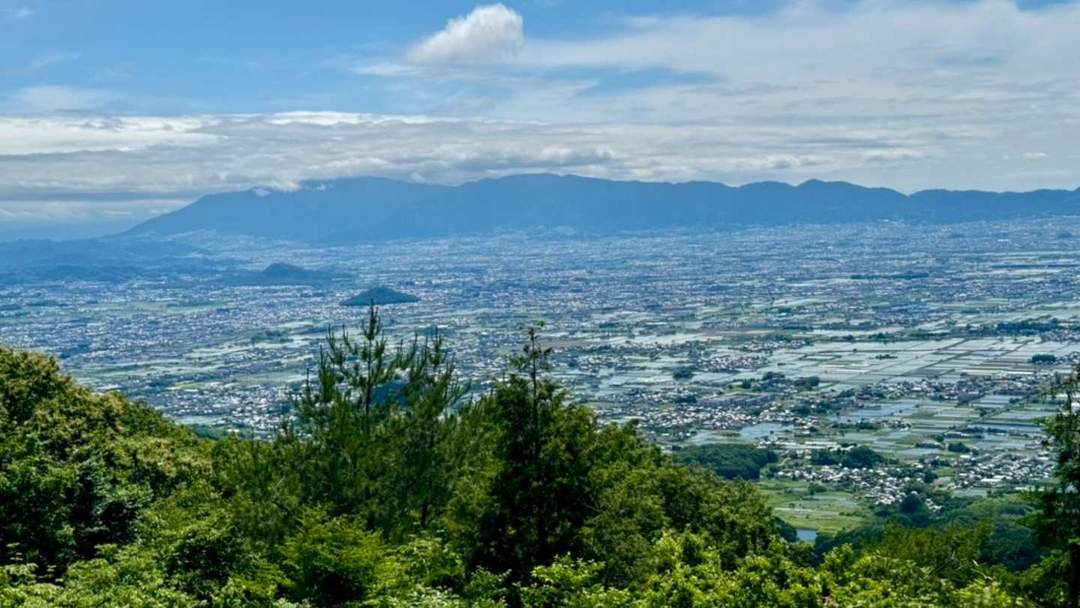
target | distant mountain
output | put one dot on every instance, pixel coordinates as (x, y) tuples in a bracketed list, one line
[(380, 296), (280, 273), (111, 260), (371, 209)]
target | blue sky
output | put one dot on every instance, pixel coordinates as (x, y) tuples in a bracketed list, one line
[(248, 56), (114, 111)]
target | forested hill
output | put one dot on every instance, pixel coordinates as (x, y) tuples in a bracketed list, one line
[(365, 209), (398, 492)]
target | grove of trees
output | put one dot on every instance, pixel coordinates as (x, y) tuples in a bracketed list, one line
[(392, 484)]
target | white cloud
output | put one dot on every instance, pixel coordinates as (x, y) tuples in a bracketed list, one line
[(906, 94), (52, 136), (489, 33), (53, 98), (893, 155), (218, 152), (179, 155), (78, 211), (814, 41)]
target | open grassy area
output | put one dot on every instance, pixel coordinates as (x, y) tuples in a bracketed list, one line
[(827, 511)]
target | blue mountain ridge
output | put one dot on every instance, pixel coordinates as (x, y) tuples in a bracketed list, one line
[(373, 208)]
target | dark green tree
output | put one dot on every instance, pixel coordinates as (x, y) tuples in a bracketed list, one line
[(342, 414), (1059, 522), (541, 495), (426, 431), (76, 468), (371, 428)]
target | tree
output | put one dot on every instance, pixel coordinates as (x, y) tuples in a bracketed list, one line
[(541, 495), (335, 562), (342, 416), (78, 469), (1059, 523), (26, 380), (728, 460), (426, 428), (371, 429), (861, 457), (389, 488)]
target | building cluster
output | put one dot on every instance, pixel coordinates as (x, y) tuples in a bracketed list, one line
[(904, 338)]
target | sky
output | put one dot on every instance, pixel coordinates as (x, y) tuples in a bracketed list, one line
[(114, 111)]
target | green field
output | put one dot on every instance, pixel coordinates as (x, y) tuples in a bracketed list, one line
[(828, 511)]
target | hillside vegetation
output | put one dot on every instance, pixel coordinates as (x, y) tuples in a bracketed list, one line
[(387, 487)]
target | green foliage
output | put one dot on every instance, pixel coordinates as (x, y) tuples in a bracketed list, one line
[(332, 562), (682, 373), (947, 553), (858, 457), (861, 457), (1010, 543), (1059, 523), (541, 494), (571, 584), (77, 469), (27, 380), (388, 487), (728, 460)]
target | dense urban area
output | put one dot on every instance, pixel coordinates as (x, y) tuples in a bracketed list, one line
[(928, 345)]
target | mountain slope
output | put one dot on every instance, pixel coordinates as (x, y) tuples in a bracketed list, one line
[(366, 209)]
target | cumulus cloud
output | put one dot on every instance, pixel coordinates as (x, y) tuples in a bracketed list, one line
[(489, 33)]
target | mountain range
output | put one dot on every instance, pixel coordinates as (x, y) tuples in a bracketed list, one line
[(371, 208)]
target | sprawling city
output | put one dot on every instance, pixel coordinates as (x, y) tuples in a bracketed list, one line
[(930, 345)]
